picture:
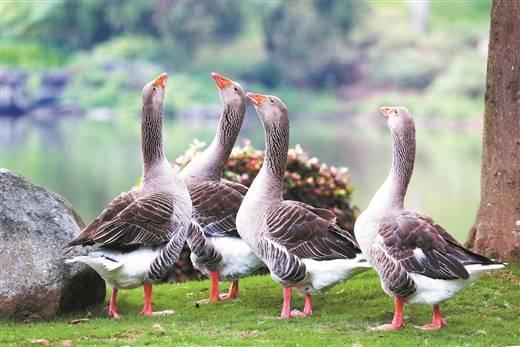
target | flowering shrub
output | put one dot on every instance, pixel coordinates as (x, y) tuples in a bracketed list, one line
[(306, 180)]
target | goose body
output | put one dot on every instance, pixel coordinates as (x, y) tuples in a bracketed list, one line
[(121, 270), (418, 261), (217, 249), (139, 235), (238, 259), (303, 246)]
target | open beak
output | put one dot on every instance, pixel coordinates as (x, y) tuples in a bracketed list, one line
[(221, 81), (385, 110), (256, 99), (161, 80)]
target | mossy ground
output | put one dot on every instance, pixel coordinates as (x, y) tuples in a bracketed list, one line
[(486, 314)]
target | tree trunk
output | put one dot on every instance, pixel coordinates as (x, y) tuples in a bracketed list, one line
[(420, 15), (496, 232)]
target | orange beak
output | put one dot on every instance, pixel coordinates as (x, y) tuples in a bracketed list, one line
[(161, 80), (256, 99), (222, 82), (385, 110)]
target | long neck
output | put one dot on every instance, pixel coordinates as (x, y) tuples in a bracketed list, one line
[(391, 194), (211, 162), (151, 137), (269, 182)]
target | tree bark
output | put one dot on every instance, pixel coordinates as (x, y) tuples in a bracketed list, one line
[(496, 232)]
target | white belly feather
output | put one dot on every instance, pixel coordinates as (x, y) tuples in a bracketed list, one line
[(238, 259), (434, 291), (324, 274), (120, 270)]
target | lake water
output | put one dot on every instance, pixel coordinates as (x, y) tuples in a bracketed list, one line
[(90, 162)]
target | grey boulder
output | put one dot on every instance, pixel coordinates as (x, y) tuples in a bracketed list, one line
[(35, 283)]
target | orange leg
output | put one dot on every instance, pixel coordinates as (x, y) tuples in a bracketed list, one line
[(437, 321), (147, 308), (397, 322), (112, 310), (214, 292)]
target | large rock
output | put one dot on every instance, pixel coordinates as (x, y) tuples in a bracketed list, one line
[(35, 283)]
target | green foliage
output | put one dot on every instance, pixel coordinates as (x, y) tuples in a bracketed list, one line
[(485, 314), (82, 24), (406, 67), (313, 34), (306, 180), (198, 22), (462, 79), (30, 55)]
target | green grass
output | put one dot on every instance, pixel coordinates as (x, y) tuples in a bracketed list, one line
[(485, 314)]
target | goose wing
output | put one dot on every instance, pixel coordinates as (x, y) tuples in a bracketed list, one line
[(238, 187), (422, 246), (309, 232), (215, 207), (131, 219)]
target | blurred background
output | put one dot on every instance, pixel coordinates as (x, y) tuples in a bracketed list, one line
[(72, 74)]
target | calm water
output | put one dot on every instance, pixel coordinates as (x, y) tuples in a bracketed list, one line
[(90, 162)]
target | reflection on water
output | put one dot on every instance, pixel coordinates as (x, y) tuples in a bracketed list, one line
[(90, 162)]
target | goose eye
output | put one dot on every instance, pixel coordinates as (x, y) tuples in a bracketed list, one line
[(395, 112), (153, 89), (271, 101), (236, 89)]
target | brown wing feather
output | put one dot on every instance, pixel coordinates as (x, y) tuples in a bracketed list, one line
[(131, 220), (215, 206), (303, 231), (422, 246), (239, 188)]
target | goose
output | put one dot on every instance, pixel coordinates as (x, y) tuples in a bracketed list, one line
[(418, 261), (303, 246), (139, 235), (217, 249)]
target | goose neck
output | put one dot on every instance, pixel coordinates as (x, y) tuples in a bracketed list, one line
[(211, 162), (391, 194), (151, 137)]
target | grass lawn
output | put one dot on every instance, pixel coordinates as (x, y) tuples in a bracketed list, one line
[(486, 314)]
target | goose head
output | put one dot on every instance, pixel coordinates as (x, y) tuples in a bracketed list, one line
[(153, 91), (271, 110), (231, 92), (398, 118)]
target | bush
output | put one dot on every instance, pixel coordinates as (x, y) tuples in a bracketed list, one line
[(306, 180)]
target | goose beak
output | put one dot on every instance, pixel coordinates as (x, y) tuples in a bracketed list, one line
[(256, 99), (161, 80), (385, 110), (221, 81)]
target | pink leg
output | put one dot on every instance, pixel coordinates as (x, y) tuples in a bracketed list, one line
[(437, 321), (307, 310), (286, 309), (397, 322), (233, 292), (214, 292), (112, 310), (147, 308)]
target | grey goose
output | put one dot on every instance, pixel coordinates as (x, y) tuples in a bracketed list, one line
[(417, 260), (139, 235), (217, 249), (303, 246)]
